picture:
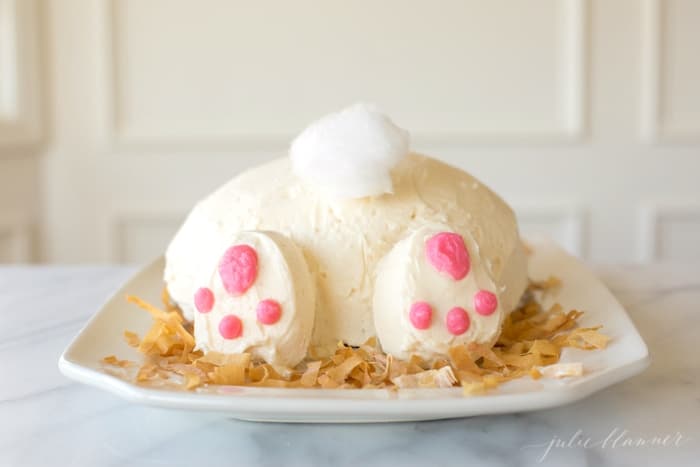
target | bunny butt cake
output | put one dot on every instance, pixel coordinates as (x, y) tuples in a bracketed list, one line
[(350, 237)]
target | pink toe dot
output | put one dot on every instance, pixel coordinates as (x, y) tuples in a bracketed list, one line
[(204, 300), (485, 302), (268, 311), (230, 327), (421, 315), (238, 269), (457, 321), (448, 254)]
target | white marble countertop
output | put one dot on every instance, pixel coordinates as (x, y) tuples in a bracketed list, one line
[(46, 419)]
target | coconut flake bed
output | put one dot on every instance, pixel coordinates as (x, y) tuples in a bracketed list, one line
[(530, 344)]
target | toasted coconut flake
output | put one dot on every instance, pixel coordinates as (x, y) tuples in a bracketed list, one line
[(462, 360), (473, 388), (544, 352), (146, 372), (131, 338), (172, 319), (308, 379), (488, 356), (549, 285), (220, 359), (192, 380), (233, 372), (327, 382), (274, 383), (442, 378), (258, 374), (114, 361), (340, 372), (561, 370), (370, 345), (587, 339)]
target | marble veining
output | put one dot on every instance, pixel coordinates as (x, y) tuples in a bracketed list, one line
[(46, 419)]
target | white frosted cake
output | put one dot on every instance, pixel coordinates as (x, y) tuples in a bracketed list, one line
[(351, 236)]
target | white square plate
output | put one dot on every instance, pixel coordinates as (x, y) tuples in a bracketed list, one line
[(626, 356)]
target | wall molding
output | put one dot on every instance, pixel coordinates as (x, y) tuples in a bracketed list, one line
[(651, 71), (651, 216), (118, 222), (653, 129), (572, 216), (20, 122), (154, 137)]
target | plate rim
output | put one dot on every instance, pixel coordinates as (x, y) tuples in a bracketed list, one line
[(328, 406)]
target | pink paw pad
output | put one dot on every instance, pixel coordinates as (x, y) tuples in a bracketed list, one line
[(238, 269), (268, 311), (485, 302), (447, 253), (204, 300), (421, 315), (457, 321), (230, 327)]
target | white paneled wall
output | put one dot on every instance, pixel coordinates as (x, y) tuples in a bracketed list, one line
[(671, 71), (138, 236), (20, 129), (222, 71), (583, 114)]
